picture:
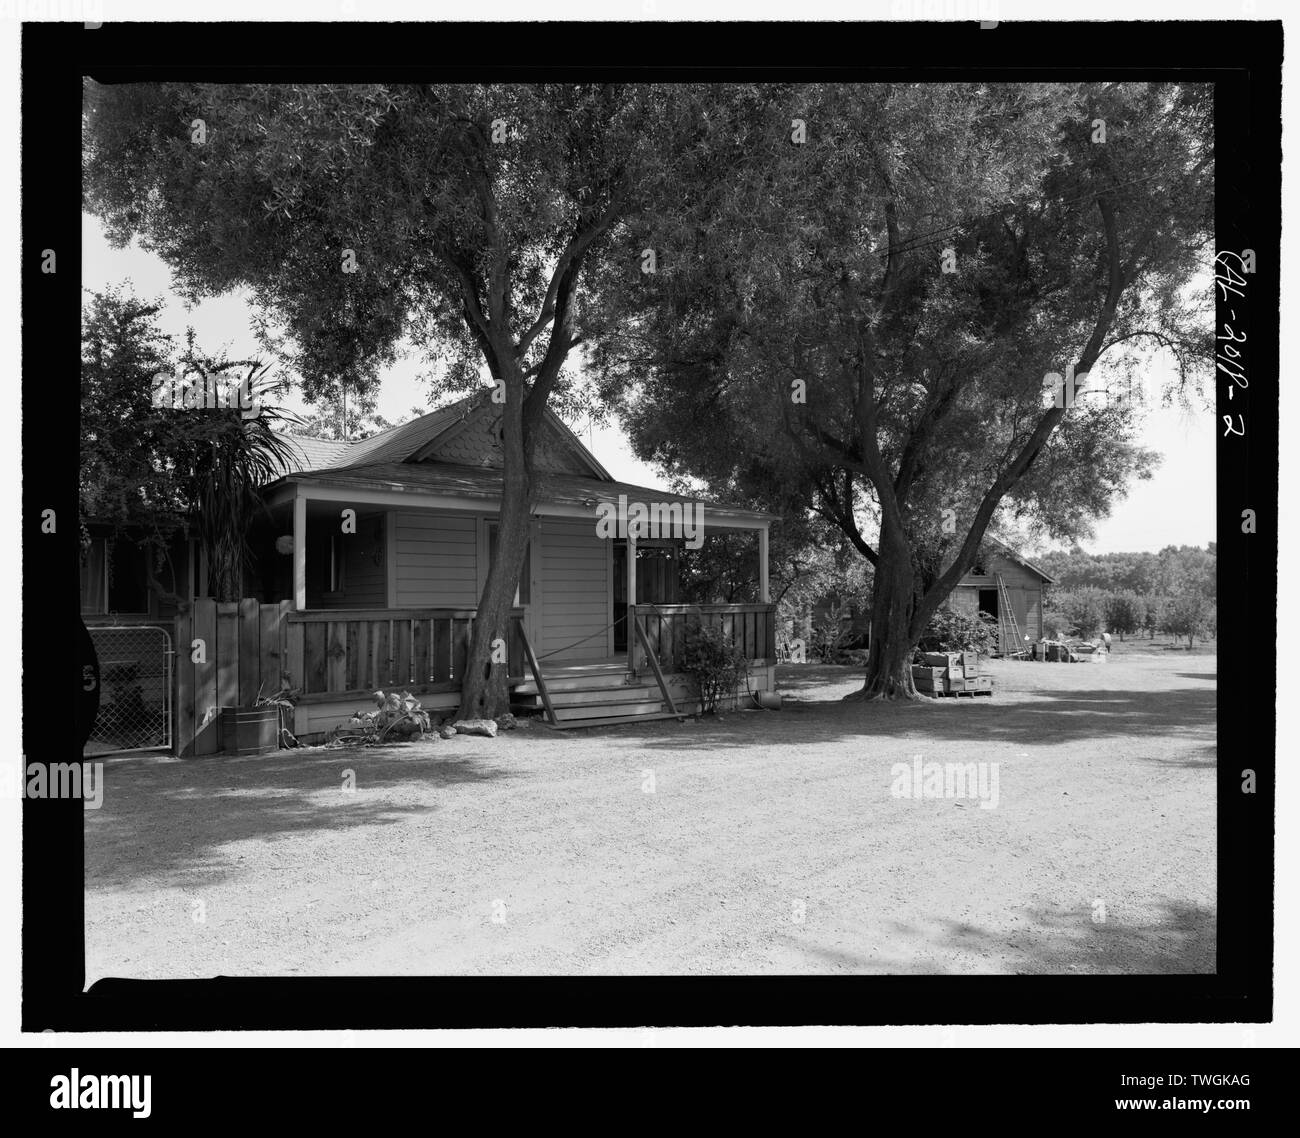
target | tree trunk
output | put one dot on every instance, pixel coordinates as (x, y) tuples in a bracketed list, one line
[(484, 693), (889, 659)]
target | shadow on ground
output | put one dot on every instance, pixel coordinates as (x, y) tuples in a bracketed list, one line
[(1181, 940), (184, 811)]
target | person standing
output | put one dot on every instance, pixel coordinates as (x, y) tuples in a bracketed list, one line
[(1105, 639)]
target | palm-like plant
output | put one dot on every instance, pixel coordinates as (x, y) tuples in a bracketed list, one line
[(238, 453)]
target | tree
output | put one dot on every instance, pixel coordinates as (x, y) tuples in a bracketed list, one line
[(1189, 613), (861, 325), (150, 471), (461, 218), (1124, 612)]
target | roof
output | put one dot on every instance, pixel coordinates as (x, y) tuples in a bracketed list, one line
[(409, 442), (1007, 551), (486, 483), (312, 453)]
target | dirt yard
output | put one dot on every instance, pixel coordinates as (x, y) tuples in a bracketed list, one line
[(768, 842)]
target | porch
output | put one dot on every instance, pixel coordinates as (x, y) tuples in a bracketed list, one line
[(338, 658)]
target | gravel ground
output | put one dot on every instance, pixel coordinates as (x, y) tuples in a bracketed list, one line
[(762, 843)]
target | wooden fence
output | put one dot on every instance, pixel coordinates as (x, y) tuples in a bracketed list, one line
[(751, 627), (248, 648)]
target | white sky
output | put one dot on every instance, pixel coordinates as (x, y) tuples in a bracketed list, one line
[(1176, 507)]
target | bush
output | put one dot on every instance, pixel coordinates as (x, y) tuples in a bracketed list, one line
[(714, 663), (950, 630)]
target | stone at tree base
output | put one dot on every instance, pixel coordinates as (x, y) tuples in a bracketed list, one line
[(476, 727), (447, 731), (506, 722)]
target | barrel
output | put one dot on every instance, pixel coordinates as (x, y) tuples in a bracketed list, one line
[(250, 730)]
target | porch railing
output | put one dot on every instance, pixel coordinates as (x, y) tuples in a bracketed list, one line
[(752, 627), (341, 653)]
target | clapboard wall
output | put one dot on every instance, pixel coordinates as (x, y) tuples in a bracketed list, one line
[(437, 561), (575, 591)]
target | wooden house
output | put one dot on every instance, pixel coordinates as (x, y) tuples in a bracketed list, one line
[(370, 566), (1007, 587)]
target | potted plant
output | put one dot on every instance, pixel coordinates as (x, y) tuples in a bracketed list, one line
[(258, 729)]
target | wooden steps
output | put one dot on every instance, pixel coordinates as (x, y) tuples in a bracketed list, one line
[(591, 695)]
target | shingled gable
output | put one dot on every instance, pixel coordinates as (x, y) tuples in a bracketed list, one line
[(464, 433)]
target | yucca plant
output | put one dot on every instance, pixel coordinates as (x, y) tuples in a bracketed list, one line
[(236, 455)]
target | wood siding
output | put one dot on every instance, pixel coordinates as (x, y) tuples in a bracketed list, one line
[(574, 591), (437, 561)]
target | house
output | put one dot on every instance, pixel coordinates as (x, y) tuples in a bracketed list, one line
[(1000, 576), (370, 566)]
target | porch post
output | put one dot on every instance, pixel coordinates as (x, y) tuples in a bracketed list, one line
[(299, 550), (631, 602), (764, 590)]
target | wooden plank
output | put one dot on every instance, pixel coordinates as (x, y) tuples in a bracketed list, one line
[(248, 658), (351, 662), (227, 654), (324, 616), (292, 663), (379, 660), (268, 648), (402, 653), (363, 696), (421, 667), (442, 650), (205, 678), (184, 741), (313, 657), (336, 656), (366, 659)]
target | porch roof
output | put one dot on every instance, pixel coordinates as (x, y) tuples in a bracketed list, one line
[(478, 486)]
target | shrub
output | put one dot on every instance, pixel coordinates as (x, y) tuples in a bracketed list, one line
[(714, 663), (398, 716), (951, 630)]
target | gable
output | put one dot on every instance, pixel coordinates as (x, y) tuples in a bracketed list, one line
[(476, 442)]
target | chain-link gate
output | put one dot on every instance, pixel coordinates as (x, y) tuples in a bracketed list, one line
[(135, 690)]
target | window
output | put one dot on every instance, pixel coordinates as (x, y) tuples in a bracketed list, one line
[(113, 578)]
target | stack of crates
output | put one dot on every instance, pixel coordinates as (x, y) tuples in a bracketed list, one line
[(948, 673)]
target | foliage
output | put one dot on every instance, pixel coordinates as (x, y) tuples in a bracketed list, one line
[(1189, 613), (1124, 612), (284, 700), (398, 715), (830, 634), (714, 663), (1084, 609), (463, 220), (954, 630), (154, 471), (806, 348)]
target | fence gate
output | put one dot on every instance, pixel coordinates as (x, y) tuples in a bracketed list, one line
[(135, 690)]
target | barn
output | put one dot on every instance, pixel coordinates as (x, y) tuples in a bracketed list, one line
[(1007, 587)]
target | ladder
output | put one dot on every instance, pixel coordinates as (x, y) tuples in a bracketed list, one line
[(1008, 627)]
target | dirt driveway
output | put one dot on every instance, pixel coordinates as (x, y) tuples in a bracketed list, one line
[(765, 843)]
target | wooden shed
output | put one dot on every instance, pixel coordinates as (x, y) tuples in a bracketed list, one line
[(1004, 576)]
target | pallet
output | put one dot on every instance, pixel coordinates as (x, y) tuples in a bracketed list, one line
[(972, 693)]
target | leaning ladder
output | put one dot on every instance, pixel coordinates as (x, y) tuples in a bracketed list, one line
[(1007, 621)]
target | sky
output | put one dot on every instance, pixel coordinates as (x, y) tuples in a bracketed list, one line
[(1175, 507)]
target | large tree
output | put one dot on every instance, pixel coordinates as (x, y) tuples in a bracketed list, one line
[(363, 218), (860, 320)]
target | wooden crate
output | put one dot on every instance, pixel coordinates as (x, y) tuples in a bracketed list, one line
[(941, 659)]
